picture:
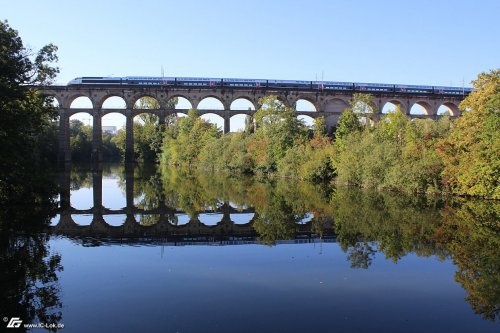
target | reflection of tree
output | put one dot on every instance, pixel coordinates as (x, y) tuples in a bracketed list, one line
[(277, 221), (361, 255), (471, 231), (397, 224), (29, 286)]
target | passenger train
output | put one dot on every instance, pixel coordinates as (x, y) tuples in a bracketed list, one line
[(195, 82)]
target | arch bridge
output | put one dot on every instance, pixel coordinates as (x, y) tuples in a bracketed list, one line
[(327, 104)]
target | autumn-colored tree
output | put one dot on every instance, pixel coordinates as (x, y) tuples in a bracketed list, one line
[(471, 153)]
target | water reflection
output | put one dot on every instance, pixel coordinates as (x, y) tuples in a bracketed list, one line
[(178, 208), (29, 279)]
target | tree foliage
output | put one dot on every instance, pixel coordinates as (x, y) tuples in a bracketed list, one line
[(471, 152), (25, 115), (185, 140)]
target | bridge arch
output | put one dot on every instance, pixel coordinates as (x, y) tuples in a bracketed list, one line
[(113, 101), (81, 102), (214, 118), (237, 122), (335, 105), (448, 108), (210, 102), (56, 100), (420, 108), (183, 101), (391, 105), (307, 120), (146, 101), (242, 103), (304, 104)]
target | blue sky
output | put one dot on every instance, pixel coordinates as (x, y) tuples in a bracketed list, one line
[(414, 42)]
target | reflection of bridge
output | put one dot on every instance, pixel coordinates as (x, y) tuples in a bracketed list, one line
[(224, 230), (327, 104)]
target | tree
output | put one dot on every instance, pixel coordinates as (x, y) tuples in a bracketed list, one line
[(319, 127), (470, 153), (185, 140), (25, 114), (348, 123), (278, 129)]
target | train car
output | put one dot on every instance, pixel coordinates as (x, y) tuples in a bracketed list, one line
[(330, 85), (410, 89), (289, 84), (454, 91), (244, 83), (148, 81), (374, 87), (198, 82)]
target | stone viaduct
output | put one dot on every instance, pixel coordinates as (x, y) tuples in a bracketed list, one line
[(327, 104)]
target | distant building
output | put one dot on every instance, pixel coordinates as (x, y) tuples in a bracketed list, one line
[(109, 129)]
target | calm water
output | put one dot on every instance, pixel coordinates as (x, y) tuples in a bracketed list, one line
[(135, 250)]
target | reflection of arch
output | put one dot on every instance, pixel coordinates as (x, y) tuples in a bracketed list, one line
[(80, 98), (82, 219), (182, 219), (210, 99), (115, 220), (113, 100), (450, 107), (241, 99), (210, 219), (335, 105), (242, 218), (425, 108), (304, 104)]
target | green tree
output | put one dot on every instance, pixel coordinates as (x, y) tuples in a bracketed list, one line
[(471, 152), (278, 129), (80, 140), (186, 139), (25, 115), (319, 127), (348, 123)]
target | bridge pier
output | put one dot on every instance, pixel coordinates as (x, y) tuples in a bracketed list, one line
[(129, 136), (64, 138), (227, 124), (97, 137)]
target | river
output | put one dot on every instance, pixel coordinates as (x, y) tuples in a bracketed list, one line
[(133, 249)]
